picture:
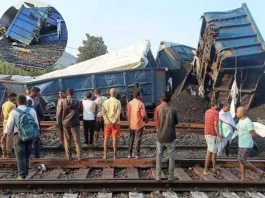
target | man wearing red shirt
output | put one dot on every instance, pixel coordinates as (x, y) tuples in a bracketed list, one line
[(211, 136)]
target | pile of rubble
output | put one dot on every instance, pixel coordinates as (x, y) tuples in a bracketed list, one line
[(32, 57), (191, 108), (258, 106)]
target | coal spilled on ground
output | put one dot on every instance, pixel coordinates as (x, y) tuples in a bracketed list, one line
[(30, 57), (258, 106), (190, 108)]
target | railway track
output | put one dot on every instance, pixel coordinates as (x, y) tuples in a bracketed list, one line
[(94, 177), (131, 176), (125, 123)]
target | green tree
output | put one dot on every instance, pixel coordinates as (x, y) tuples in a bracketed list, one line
[(92, 47)]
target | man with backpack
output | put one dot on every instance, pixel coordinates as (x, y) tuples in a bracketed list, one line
[(69, 113), (23, 123)]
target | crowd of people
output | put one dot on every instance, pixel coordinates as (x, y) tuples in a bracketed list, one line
[(22, 116)]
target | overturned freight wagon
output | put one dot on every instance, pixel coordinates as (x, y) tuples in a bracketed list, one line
[(126, 69), (230, 47), (151, 82), (177, 59), (43, 25)]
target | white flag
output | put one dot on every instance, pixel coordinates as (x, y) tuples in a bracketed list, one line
[(233, 94), (234, 90)]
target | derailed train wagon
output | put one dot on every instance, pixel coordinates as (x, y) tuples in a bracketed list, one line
[(126, 69), (42, 25), (230, 47), (151, 82), (176, 58)]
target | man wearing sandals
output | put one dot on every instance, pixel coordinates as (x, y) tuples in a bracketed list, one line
[(246, 133)]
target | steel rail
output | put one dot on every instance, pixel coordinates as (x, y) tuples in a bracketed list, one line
[(56, 149), (123, 163), (126, 185), (146, 131), (125, 123)]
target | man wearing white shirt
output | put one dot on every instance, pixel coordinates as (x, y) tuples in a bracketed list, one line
[(227, 126), (22, 148), (89, 115)]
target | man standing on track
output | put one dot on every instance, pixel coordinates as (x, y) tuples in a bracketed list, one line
[(99, 119), (136, 115), (111, 110), (89, 114), (7, 142), (226, 129), (22, 148), (34, 102), (166, 119), (62, 97), (69, 114), (211, 136), (246, 133)]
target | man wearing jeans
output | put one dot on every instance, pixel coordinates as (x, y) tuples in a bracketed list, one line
[(33, 101), (61, 98), (22, 149), (136, 115), (166, 119), (69, 114)]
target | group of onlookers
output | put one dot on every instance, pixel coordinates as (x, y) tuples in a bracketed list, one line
[(219, 131), (103, 114)]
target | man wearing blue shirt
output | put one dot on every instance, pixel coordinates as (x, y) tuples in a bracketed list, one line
[(246, 133)]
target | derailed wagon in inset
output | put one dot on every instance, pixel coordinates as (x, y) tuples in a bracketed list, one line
[(230, 47)]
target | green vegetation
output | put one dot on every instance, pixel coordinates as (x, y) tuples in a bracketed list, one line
[(92, 47), (9, 69)]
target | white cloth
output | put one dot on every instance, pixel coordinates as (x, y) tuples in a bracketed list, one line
[(222, 144), (233, 108), (233, 94), (227, 118), (13, 119), (88, 109), (259, 129), (234, 90), (59, 27)]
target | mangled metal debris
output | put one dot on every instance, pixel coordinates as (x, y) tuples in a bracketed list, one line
[(230, 47), (176, 58), (40, 32)]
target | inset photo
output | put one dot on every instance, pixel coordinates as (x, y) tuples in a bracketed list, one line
[(33, 35)]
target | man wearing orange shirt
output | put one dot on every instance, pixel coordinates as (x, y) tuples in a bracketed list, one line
[(136, 114)]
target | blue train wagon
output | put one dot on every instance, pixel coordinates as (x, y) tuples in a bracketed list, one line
[(230, 47)]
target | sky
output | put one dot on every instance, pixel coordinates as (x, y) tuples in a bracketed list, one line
[(126, 22)]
